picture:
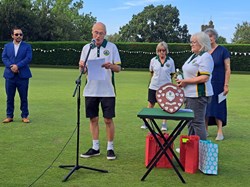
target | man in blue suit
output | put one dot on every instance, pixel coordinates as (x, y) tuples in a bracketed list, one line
[(16, 57)]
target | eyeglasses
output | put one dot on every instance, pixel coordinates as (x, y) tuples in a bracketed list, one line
[(193, 42), (161, 50), (20, 34), (100, 33)]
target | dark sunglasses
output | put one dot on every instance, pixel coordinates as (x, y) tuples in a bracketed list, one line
[(161, 50), (20, 34)]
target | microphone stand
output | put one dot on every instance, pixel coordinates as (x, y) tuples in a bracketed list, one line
[(77, 90)]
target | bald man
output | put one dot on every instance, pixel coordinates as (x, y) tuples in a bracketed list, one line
[(102, 92)]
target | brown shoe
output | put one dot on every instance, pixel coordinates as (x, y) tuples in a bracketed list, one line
[(7, 120), (25, 120)]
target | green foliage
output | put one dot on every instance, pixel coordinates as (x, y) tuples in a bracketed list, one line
[(15, 13), (221, 40), (57, 53), (113, 37), (240, 54), (46, 20), (133, 55), (155, 24), (242, 33)]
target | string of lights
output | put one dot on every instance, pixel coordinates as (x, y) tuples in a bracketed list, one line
[(233, 53)]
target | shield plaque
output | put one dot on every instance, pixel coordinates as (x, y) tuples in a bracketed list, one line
[(170, 97)]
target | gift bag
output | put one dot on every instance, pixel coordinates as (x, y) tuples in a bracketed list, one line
[(208, 157), (151, 149), (163, 162), (189, 152)]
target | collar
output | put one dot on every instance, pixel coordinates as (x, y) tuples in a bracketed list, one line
[(158, 58), (104, 44), (201, 53), (195, 55), (17, 44)]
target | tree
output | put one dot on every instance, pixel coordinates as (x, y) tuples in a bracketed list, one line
[(15, 13), (46, 20), (84, 24), (242, 33), (155, 24), (60, 20), (113, 37), (221, 40)]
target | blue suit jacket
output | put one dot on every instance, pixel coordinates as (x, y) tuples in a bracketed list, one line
[(22, 60)]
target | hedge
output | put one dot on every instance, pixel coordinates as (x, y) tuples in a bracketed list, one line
[(133, 55)]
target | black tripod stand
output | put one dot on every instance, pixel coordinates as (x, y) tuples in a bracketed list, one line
[(77, 90)]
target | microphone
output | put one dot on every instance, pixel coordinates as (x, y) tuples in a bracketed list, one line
[(92, 44)]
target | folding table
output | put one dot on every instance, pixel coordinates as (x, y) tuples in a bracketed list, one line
[(150, 115)]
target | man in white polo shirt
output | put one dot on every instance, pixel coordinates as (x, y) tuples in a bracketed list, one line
[(101, 91)]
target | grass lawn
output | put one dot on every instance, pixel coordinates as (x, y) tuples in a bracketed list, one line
[(27, 150)]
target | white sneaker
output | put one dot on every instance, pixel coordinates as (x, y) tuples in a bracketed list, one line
[(219, 137), (164, 127), (144, 126)]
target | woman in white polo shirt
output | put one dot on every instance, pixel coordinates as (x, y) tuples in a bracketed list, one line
[(197, 72), (162, 69)]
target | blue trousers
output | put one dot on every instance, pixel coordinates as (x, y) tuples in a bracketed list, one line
[(21, 85)]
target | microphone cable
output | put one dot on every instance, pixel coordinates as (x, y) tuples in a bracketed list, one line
[(54, 159)]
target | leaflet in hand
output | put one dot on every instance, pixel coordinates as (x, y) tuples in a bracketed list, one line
[(221, 97), (95, 69)]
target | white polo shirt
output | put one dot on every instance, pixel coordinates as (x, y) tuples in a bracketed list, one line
[(101, 88), (162, 72), (195, 66)]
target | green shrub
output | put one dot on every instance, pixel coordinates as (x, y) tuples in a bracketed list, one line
[(133, 55)]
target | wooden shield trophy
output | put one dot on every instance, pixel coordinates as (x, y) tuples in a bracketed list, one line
[(170, 97)]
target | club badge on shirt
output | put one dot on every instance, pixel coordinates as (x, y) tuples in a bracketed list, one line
[(167, 64), (106, 52)]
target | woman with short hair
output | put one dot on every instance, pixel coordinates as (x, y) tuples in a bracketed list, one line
[(197, 73)]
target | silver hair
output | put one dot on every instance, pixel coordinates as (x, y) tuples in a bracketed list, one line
[(162, 44), (204, 40), (100, 24), (212, 31)]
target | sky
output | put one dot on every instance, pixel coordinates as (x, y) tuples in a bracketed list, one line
[(225, 14)]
